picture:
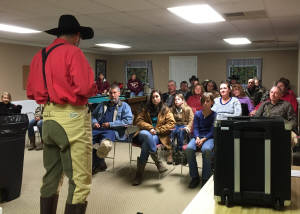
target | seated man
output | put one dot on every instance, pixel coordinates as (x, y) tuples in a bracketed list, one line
[(168, 97), (109, 121), (277, 107), (37, 121)]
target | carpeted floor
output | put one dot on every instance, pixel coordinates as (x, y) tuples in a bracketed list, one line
[(111, 191)]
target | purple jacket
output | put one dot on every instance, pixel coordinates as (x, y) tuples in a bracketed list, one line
[(247, 101)]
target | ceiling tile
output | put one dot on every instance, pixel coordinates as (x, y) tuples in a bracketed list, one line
[(280, 8), (81, 7), (127, 5)]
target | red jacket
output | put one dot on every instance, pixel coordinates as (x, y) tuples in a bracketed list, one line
[(70, 78), (195, 103), (102, 85)]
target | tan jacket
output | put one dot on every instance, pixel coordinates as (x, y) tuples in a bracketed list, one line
[(163, 127), (185, 117)]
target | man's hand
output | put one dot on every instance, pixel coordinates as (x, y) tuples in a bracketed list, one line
[(37, 118), (153, 132), (96, 125), (105, 125)]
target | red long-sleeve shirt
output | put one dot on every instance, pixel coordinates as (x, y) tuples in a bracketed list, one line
[(194, 102), (70, 78)]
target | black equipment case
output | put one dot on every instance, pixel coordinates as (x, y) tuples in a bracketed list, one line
[(252, 162)]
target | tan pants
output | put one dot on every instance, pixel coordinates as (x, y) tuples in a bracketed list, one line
[(67, 136)]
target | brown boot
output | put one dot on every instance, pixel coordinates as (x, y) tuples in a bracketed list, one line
[(139, 173), (75, 208), (48, 205), (40, 146), (32, 143), (160, 166), (169, 157)]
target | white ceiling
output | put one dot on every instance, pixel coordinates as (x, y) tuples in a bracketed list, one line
[(147, 26)]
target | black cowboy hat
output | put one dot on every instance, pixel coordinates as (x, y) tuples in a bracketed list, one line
[(234, 77), (68, 24)]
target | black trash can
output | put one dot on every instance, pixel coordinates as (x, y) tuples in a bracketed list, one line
[(12, 142)]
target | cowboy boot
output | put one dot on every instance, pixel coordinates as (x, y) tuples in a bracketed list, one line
[(76, 208), (169, 157), (160, 166), (48, 205), (139, 172), (32, 143), (40, 146)]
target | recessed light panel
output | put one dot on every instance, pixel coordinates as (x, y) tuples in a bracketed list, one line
[(201, 13), (16, 29)]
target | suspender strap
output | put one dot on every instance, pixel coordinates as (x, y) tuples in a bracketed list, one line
[(44, 58)]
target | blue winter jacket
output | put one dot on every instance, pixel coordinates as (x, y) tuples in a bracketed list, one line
[(121, 119)]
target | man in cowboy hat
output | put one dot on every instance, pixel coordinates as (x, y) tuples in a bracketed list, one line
[(61, 79)]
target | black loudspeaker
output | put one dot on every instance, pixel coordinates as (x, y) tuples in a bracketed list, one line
[(252, 162)]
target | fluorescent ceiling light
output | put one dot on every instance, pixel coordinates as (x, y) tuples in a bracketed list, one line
[(201, 13), (238, 41), (16, 29), (112, 45)]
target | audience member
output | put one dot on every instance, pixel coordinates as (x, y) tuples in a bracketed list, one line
[(234, 79), (275, 106), (135, 86), (246, 103), (155, 123), (37, 121), (6, 107), (253, 92), (287, 94), (109, 121), (168, 97), (203, 139), (258, 84), (212, 87), (102, 85), (183, 116), (226, 106), (184, 89), (192, 80), (194, 100)]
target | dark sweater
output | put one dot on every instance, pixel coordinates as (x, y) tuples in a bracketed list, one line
[(204, 127), (10, 108)]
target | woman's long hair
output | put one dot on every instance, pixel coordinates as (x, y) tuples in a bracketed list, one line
[(155, 110), (184, 104)]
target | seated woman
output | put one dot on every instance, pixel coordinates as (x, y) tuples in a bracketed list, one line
[(194, 100), (184, 117), (211, 86), (37, 121), (155, 122), (203, 139), (102, 85), (238, 92), (6, 107), (226, 106), (135, 86)]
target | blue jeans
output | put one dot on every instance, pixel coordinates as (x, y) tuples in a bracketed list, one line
[(207, 154), (149, 143), (33, 123), (132, 94), (100, 134), (180, 134)]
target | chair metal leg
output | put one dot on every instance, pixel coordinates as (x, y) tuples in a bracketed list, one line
[(114, 156)]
